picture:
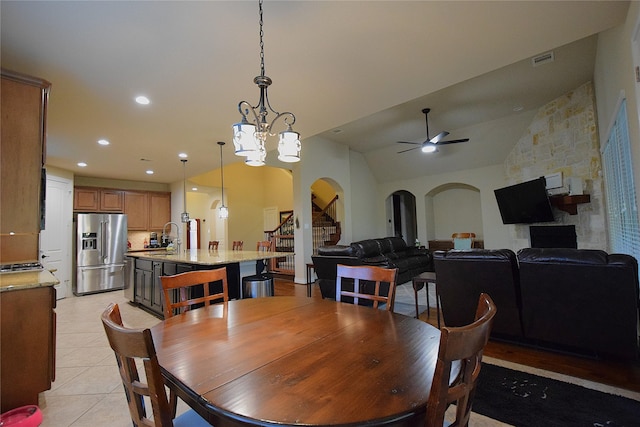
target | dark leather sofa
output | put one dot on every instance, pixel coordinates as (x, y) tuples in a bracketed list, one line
[(463, 275), (585, 299), (387, 252), (577, 300)]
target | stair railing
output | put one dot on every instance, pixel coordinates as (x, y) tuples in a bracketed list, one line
[(282, 240)]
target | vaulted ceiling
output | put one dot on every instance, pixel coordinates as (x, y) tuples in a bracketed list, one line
[(356, 72)]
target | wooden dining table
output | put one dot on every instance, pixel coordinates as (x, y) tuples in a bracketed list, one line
[(300, 362)]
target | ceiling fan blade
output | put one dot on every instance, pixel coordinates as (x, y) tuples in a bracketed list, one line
[(404, 151), (407, 142), (453, 141), (439, 136)]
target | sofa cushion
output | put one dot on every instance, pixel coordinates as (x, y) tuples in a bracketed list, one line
[(564, 256), (366, 248), (336, 250), (397, 244)]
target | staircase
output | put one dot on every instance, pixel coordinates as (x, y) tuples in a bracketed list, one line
[(325, 229), (282, 240)]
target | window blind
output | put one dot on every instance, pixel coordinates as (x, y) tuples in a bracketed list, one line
[(622, 210)]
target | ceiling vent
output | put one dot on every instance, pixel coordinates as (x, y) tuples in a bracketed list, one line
[(542, 59)]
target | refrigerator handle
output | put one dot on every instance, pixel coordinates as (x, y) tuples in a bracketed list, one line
[(103, 242)]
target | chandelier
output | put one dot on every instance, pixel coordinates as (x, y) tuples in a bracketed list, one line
[(250, 135), (223, 213)]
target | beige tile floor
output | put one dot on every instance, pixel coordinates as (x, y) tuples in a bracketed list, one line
[(87, 390)]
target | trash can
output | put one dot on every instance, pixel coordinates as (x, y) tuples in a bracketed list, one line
[(256, 286), (24, 416)]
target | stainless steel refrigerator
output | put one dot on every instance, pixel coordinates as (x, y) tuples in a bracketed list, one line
[(100, 246)]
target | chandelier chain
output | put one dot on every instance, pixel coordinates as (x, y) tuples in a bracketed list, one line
[(261, 42)]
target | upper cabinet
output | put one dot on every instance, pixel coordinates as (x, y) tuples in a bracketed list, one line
[(22, 150), (136, 206), (159, 210), (146, 210), (91, 199)]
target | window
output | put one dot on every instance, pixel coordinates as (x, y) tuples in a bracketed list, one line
[(622, 210)]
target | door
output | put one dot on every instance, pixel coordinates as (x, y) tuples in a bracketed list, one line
[(271, 216), (55, 239)]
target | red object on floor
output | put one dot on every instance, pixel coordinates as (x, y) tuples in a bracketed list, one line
[(24, 416)]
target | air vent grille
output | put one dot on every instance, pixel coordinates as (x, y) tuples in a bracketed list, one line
[(542, 59)]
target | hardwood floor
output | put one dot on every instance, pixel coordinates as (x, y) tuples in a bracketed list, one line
[(623, 374)]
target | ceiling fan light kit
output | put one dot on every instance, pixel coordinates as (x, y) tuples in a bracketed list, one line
[(430, 145)]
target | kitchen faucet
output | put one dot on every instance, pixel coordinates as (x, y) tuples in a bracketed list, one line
[(178, 230)]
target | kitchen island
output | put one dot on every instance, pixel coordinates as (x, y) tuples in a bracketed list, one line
[(27, 336), (150, 265)]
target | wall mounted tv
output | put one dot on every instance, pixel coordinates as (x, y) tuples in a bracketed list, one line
[(524, 203)]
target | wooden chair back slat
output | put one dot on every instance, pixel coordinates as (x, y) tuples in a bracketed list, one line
[(374, 274), (185, 282), (463, 345), (129, 345)]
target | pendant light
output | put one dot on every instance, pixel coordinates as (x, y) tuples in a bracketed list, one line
[(184, 215), (223, 213), (250, 135)]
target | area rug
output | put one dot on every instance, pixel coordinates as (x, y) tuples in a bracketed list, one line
[(527, 400), (405, 302)]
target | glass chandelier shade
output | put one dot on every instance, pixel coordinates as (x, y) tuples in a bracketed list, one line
[(250, 134), (289, 146)]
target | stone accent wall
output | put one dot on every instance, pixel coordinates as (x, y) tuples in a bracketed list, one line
[(563, 137)]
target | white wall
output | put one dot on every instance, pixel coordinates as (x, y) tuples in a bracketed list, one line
[(365, 212), (495, 234), (614, 77), (457, 210)]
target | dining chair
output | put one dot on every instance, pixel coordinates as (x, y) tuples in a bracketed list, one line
[(463, 345), (264, 246), (368, 274), (213, 244), (463, 240), (237, 245), (130, 345), (187, 284)]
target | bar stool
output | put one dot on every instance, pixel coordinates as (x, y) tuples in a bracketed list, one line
[(213, 245)]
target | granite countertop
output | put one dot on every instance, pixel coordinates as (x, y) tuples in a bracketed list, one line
[(18, 280), (206, 257)]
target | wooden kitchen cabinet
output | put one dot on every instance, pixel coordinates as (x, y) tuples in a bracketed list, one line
[(159, 210), (22, 147), (27, 352), (136, 206), (93, 199), (146, 210)]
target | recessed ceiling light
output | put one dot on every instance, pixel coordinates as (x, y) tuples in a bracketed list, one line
[(142, 100), (183, 155), (149, 172), (103, 142), (194, 188), (82, 164)]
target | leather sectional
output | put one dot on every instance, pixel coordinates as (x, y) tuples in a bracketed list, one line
[(577, 300), (387, 252)]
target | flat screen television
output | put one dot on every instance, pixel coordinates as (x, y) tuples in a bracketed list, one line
[(525, 203)]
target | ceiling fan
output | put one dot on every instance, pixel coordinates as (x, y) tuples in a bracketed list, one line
[(430, 144)]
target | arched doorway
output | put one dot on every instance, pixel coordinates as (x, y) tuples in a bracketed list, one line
[(327, 210), (401, 216), (451, 208)]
